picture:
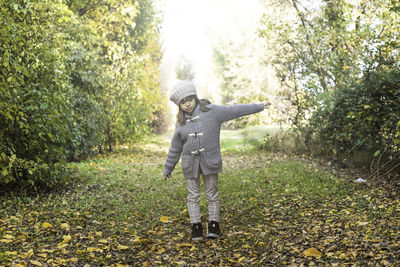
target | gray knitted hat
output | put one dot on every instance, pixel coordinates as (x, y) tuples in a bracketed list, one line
[(181, 90)]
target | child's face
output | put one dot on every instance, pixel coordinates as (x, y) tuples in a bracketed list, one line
[(188, 104)]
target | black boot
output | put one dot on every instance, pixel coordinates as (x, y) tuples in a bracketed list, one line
[(197, 232), (213, 229)]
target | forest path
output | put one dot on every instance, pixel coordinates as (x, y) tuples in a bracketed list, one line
[(276, 210)]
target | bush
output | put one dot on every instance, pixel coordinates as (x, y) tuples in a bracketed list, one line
[(365, 117)]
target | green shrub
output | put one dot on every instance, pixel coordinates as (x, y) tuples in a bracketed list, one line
[(366, 117)]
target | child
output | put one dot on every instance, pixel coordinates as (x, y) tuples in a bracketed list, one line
[(196, 138)]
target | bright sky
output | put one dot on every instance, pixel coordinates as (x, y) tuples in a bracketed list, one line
[(191, 27)]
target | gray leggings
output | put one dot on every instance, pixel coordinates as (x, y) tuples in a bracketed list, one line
[(193, 198)]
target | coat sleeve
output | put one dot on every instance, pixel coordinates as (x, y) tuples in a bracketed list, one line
[(174, 153), (226, 113)]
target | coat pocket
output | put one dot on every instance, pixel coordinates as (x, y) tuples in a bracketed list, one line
[(187, 163), (213, 160)]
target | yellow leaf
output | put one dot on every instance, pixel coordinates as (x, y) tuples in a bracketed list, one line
[(36, 263), (73, 260), (66, 238), (43, 255), (242, 258), (65, 226), (7, 236), (6, 240), (230, 260), (30, 253), (92, 249), (193, 248), (104, 241), (139, 240), (19, 265), (186, 245), (60, 261), (121, 247), (313, 252), (11, 253), (46, 225), (48, 250), (164, 219), (62, 245)]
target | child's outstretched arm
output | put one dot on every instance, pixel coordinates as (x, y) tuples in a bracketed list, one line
[(226, 113), (173, 156)]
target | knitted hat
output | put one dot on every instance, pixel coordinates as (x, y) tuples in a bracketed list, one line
[(181, 90)]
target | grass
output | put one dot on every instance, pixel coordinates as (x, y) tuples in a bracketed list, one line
[(274, 208)]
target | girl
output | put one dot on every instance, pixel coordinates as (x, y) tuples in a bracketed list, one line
[(196, 138)]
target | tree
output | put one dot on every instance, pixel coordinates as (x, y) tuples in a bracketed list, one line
[(325, 53)]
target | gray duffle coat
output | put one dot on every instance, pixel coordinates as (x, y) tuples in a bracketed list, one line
[(198, 140)]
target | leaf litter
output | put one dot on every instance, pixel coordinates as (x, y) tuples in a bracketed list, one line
[(275, 211)]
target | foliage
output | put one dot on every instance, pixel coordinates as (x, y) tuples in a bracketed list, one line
[(326, 57), (36, 92), (75, 75), (276, 211), (243, 67), (130, 57), (184, 69), (366, 116)]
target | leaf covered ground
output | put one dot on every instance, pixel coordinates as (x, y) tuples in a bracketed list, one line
[(276, 210)]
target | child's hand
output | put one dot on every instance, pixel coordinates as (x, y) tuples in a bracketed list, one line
[(167, 176), (267, 104)]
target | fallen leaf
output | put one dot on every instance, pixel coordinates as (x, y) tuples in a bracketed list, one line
[(313, 252), (6, 240), (61, 245), (121, 247), (164, 219), (47, 225), (36, 263), (186, 245), (73, 260), (7, 236), (66, 238), (65, 226), (93, 249), (11, 253), (103, 241)]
